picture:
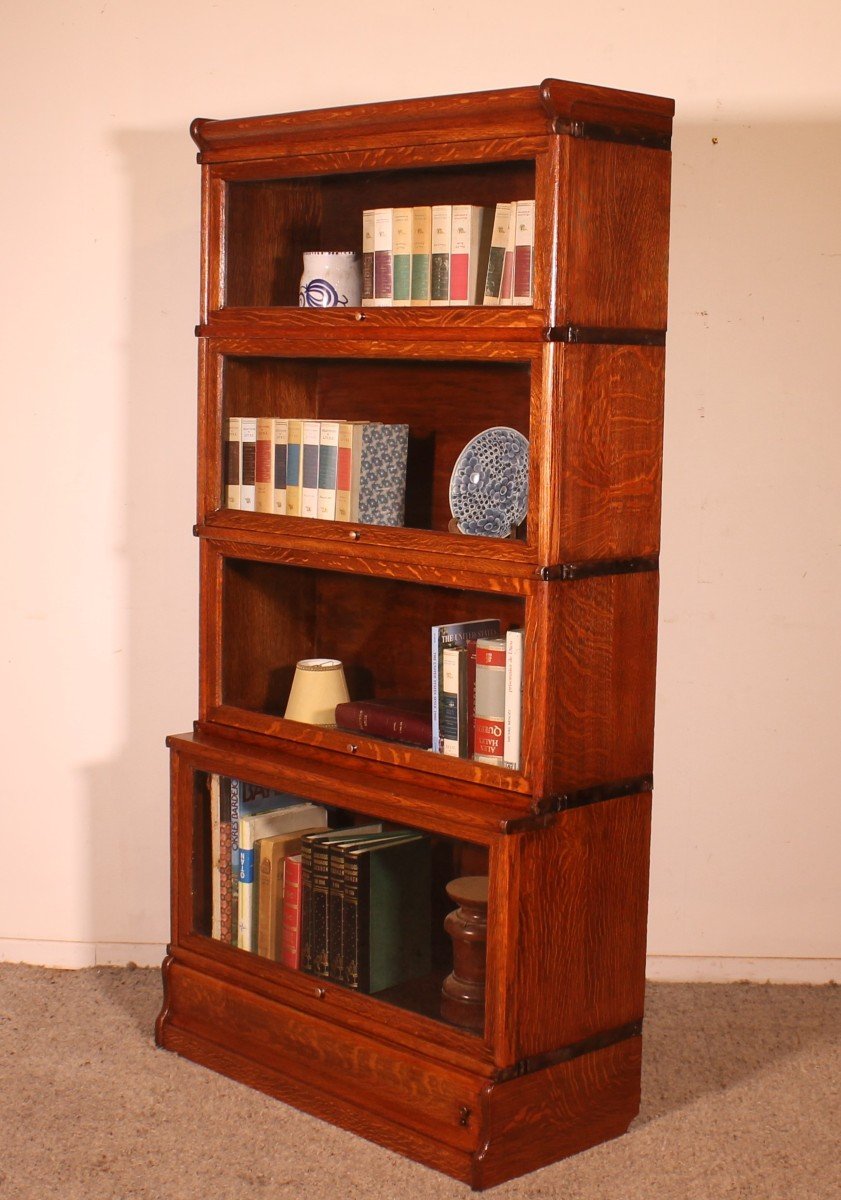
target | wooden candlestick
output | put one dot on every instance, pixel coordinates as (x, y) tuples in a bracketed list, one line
[(463, 991)]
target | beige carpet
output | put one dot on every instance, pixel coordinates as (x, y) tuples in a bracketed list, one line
[(741, 1098)]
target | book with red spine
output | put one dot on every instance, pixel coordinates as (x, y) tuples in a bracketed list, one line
[(290, 934), (489, 730), (264, 467), (406, 721)]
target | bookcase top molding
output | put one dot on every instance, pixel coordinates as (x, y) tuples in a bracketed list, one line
[(553, 106)]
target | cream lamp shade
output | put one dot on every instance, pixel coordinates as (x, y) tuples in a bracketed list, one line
[(319, 685)]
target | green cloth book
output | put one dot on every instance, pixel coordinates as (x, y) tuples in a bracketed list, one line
[(386, 914)]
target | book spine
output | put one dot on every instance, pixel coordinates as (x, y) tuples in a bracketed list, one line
[(309, 468), (460, 253), (524, 253), (319, 914), (328, 454), (290, 939), (383, 257), (506, 286), (381, 721), (453, 717), (421, 249), (215, 857), (225, 884), (264, 467), (401, 248), (490, 701), (247, 496), (265, 897), (344, 470), (439, 266), (334, 914), (280, 440), (293, 467), (306, 958), (235, 793), (355, 916), (512, 738), (245, 891), (233, 462), (368, 258), (496, 254)]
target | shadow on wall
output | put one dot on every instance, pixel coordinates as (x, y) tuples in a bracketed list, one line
[(129, 829)]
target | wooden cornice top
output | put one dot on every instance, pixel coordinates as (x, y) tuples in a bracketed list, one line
[(554, 106)]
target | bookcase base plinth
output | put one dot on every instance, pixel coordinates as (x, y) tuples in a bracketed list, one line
[(462, 1124)]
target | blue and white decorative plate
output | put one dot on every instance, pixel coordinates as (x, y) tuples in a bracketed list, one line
[(489, 486)]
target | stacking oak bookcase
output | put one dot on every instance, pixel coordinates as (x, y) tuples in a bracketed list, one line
[(564, 841)]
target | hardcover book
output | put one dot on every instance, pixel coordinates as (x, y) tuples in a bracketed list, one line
[(290, 935), (523, 252), (328, 454), (248, 478), (439, 267), (496, 253), (347, 470), (421, 249), (457, 633), (470, 239), (506, 286), (386, 912), (454, 701), (309, 468), (264, 466), (280, 439), (490, 700), (396, 721), (368, 258), (293, 819), (315, 879), (512, 737), (293, 467), (401, 251), (233, 462), (270, 856), (382, 474), (383, 257)]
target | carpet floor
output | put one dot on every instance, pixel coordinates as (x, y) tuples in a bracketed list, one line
[(741, 1098)]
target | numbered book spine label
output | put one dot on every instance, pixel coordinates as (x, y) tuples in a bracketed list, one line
[(248, 497)]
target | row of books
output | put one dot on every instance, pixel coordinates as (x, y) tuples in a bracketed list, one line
[(351, 905), (332, 470), (477, 698), (448, 254)]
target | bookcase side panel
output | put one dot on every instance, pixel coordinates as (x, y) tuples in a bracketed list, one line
[(599, 687), (618, 224), (610, 453), (582, 908)]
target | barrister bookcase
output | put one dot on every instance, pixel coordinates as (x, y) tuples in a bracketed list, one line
[(564, 840)]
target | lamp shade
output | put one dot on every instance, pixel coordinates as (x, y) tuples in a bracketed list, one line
[(319, 685)]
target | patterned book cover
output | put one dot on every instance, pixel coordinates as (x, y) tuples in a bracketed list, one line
[(382, 484)]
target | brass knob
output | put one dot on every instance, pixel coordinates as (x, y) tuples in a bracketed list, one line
[(354, 535)]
